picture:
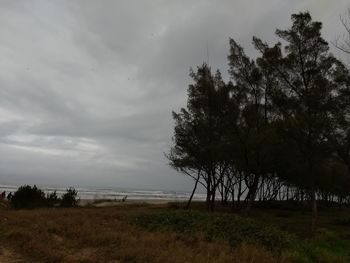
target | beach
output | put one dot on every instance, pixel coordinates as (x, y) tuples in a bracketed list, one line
[(119, 202)]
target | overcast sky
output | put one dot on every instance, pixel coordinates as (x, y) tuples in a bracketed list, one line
[(87, 87)]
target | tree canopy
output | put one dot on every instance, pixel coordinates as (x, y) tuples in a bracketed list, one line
[(277, 130)]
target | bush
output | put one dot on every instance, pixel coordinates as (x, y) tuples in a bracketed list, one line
[(69, 199), (52, 199), (32, 197), (28, 197)]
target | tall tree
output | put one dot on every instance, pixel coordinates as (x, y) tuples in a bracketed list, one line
[(200, 132), (305, 94), (339, 129), (253, 130)]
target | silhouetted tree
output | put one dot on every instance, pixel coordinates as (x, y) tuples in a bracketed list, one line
[(339, 129), (253, 131), (28, 197), (278, 130), (305, 95), (69, 198), (200, 132)]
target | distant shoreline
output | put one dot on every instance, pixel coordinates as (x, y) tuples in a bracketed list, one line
[(111, 194), (118, 202)]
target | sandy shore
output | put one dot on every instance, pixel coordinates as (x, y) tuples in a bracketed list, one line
[(116, 202)]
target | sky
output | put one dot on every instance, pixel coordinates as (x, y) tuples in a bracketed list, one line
[(87, 87)]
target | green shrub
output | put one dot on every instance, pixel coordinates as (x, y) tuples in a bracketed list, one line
[(28, 197), (69, 199)]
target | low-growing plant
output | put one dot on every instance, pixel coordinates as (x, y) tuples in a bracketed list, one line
[(231, 228), (326, 246)]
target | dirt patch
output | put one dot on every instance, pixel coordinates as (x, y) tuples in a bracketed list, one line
[(81, 255), (4, 204), (8, 256)]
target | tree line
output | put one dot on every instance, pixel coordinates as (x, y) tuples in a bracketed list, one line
[(277, 130)]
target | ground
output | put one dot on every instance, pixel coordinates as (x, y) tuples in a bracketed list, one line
[(9, 256), (165, 233)]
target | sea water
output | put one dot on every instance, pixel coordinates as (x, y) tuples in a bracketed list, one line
[(114, 193)]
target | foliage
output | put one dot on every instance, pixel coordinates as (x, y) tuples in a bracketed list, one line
[(52, 199), (201, 131), (278, 130), (231, 228), (33, 197), (326, 246), (69, 199), (28, 197)]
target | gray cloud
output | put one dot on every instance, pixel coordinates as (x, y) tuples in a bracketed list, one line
[(87, 87)]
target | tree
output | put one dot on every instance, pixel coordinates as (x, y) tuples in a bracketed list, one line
[(28, 197), (69, 199), (339, 129), (252, 133), (200, 132), (278, 130), (306, 91)]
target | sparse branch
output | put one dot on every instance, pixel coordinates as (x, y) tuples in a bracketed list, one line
[(342, 42)]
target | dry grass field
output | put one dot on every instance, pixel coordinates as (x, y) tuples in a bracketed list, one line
[(109, 234)]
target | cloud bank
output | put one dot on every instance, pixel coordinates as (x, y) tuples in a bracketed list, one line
[(87, 87)]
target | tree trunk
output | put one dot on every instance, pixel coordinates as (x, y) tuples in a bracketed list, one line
[(212, 203), (233, 198), (252, 193), (208, 199), (208, 193), (193, 191), (314, 210)]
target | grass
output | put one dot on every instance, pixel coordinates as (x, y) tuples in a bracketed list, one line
[(137, 233), (223, 227), (235, 230)]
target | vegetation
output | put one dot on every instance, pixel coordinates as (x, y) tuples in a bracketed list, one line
[(52, 199), (278, 130), (275, 138), (231, 228), (27, 197), (134, 233), (69, 199), (235, 230)]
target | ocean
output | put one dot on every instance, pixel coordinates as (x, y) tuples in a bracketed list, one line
[(92, 193)]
